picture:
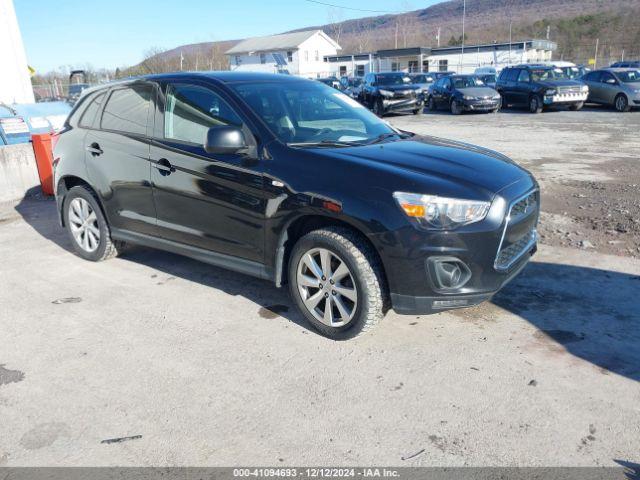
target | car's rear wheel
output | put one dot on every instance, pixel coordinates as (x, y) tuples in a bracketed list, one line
[(535, 104), (337, 282), (86, 225), (622, 103)]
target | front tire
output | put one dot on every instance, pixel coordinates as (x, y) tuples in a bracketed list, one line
[(621, 103), (336, 280), (456, 108), (417, 111), (432, 105), (576, 106), (535, 104), (378, 108), (86, 225)]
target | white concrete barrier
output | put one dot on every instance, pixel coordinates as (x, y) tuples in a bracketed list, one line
[(18, 171)]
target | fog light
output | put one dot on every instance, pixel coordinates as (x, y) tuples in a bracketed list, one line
[(450, 303), (448, 273)]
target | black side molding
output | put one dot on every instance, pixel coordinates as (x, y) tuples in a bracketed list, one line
[(229, 262)]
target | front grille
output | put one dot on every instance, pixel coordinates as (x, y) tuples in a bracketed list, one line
[(569, 90), (519, 211), (399, 95), (509, 255), (524, 206)]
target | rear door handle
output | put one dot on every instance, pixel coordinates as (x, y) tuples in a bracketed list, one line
[(164, 167), (94, 149)]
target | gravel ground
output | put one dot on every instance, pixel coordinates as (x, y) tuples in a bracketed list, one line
[(587, 163)]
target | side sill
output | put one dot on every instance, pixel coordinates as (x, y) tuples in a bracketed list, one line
[(228, 262)]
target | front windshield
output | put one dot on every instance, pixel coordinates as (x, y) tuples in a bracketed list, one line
[(467, 82), (630, 76), (304, 112), (422, 79), (542, 74), (393, 79)]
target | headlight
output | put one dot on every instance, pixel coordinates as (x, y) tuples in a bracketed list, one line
[(441, 213), (468, 97), (497, 97), (551, 91), (584, 89), (386, 93)]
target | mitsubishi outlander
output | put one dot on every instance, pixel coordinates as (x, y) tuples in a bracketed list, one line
[(291, 181)]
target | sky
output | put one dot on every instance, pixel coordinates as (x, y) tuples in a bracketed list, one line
[(116, 33)]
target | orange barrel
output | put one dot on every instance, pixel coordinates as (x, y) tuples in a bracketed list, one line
[(44, 160)]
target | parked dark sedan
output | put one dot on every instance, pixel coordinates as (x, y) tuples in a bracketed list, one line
[(540, 86), (290, 181), (460, 93), (390, 92)]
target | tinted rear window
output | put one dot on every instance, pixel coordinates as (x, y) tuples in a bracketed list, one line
[(127, 110), (89, 114)]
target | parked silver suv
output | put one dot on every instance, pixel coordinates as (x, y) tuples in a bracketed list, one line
[(618, 87)]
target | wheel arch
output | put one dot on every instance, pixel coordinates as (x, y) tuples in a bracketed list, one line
[(65, 184), (299, 226)]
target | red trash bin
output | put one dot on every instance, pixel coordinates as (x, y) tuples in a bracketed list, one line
[(44, 160)]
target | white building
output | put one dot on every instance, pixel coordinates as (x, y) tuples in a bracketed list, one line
[(298, 53), (442, 59), (15, 84)]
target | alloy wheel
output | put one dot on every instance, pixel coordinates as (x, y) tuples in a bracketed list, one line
[(621, 103), (327, 287), (83, 223)]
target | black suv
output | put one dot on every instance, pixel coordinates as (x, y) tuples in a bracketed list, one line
[(539, 86), (290, 181), (390, 92)]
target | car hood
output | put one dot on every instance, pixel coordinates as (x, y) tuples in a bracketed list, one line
[(443, 159), (478, 91), (561, 83), (395, 88)]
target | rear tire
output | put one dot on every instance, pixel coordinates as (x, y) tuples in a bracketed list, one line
[(621, 103), (535, 104), (356, 299), (87, 226)]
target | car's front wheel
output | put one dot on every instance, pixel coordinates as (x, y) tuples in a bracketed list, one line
[(535, 104), (622, 103), (432, 104), (378, 108), (456, 108), (336, 280), (86, 225), (576, 106)]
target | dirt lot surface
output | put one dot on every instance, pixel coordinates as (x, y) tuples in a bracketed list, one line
[(587, 163), (194, 365)]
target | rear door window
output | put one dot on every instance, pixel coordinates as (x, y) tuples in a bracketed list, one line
[(513, 75), (127, 110)]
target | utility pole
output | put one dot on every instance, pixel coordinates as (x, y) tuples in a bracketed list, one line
[(595, 57), (464, 12), (396, 33), (510, 25), (438, 37), (548, 31), (181, 59)]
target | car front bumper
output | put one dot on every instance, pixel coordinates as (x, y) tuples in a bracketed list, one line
[(492, 251), (398, 105), (565, 99), (481, 105)]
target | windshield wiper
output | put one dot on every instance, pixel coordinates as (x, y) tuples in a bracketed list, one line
[(384, 136), (323, 143)]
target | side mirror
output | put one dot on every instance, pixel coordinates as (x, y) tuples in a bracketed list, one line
[(224, 140), (611, 81)]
